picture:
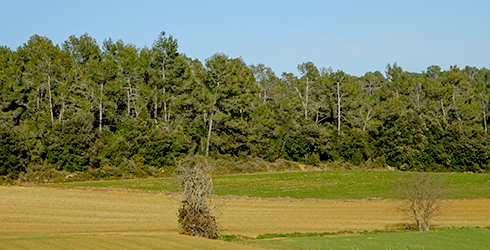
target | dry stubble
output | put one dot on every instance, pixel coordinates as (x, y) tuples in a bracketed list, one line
[(26, 212)]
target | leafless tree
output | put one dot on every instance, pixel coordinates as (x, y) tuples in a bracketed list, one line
[(422, 194), (196, 217)]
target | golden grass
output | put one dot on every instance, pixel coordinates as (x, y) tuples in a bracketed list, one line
[(119, 241), (39, 210), (40, 218), (43, 218), (253, 217)]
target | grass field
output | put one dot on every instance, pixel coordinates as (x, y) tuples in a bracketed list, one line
[(47, 218), (332, 184), (448, 239), (111, 215)]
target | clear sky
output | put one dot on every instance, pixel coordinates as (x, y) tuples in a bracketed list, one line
[(353, 36)]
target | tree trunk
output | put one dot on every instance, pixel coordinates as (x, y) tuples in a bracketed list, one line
[(100, 106), (129, 105), (129, 97), (368, 117), (135, 106), (306, 100), (444, 112), (209, 135), (60, 117), (155, 111), (485, 119), (37, 101), (165, 112), (92, 97), (211, 113), (338, 107), (50, 99), (163, 70)]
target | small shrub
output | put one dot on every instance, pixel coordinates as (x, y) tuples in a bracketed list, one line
[(195, 215), (234, 238), (422, 194)]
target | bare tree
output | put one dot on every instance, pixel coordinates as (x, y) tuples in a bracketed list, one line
[(422, 195), (195, 212)]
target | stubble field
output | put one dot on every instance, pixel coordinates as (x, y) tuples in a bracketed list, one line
[(47, 218)]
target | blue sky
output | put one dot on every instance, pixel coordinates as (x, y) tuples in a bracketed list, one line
[(353, 36)]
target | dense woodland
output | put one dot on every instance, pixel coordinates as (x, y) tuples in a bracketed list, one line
[(81, 107)]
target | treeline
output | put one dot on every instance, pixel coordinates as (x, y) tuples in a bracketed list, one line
[(78, 107)]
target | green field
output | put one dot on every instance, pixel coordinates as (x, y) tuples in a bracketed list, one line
[(448, 239), (330, 184)]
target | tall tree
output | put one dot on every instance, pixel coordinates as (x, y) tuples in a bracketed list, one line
[(164, 52), (310, 77), (42, 64), (229, 91), (87, 71), (481, 85), (267, 81)]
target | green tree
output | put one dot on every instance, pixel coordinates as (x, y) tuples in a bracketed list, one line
[(164, 52), (42, 67), (228, 91), (481, 87), (86, 74)]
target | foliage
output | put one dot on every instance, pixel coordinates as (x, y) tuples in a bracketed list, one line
[(81, 107)]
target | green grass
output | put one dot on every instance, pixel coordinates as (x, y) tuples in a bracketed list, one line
[(341, 184), (447, 239), (316, 184), (331, 184)]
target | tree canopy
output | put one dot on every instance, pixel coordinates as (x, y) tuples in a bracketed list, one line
[(83, 107)]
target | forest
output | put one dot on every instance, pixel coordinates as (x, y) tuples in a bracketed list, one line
[(116, 110)]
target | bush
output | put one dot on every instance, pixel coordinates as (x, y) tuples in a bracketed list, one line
[(195, 215), (422, 194)]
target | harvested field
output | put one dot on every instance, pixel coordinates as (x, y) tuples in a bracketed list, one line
[(258, 216), (40, 218), (118, 241), (27, 212)]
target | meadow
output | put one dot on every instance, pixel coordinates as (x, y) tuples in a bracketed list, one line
[(329, 184), (142, 214), (448, 239)]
